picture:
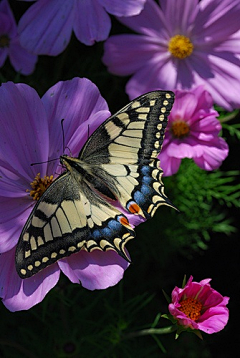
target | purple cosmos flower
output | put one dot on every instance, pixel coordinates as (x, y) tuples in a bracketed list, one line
[(198, 306), (47, 25), (192, 132), (31, 132), (181, 44), (22, 61)]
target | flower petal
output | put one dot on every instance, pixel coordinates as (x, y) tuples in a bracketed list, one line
[(213, 155), (22, 119), (78, 102), (181, 12), (125, 8), (46, 27), (7, 22), (91, 22), (216, 320), (21, 109), (219, 73), (7, 27), (213, 14), (13, 215), (154, 76), (169, 164), (184, 107), (18, 294), (117, 49), (95, 270), (151, 21), (22, 60)]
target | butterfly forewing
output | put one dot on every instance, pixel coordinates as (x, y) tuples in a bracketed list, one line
[(117, 164), (134, 134), (126, 152)]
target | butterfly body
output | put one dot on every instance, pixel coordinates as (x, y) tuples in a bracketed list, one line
[(117, 165)]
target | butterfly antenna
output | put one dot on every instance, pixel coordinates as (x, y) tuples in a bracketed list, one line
[(63, 135), (46, 161)]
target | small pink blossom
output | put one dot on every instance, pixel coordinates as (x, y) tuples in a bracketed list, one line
[(193, 132), (199, 307)]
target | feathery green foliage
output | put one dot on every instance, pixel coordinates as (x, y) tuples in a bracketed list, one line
[(202, 199)]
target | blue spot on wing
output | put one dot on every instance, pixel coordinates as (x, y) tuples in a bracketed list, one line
[(97, 234), (114, 225), (139, 198), (110, 229), (147, 179), (145, 170), (146, 190), (107, 232)]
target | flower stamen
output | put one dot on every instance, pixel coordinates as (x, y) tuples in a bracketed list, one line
[(191, 308), (39, 185), (4, 41), (180, 129), (180, 46)]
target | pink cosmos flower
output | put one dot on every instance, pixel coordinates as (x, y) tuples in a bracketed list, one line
[(193, 132), (47, 25), (22, 60), (31, 132), (200, 307), (179, 45)]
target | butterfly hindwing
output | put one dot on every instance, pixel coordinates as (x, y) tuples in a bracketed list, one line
[(118, 164), (66, 219)]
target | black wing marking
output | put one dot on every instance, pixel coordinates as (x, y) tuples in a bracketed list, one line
[(123, 152), (66, 219)]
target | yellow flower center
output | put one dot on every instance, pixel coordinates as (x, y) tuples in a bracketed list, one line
[(39, 185), (191, 307), (180, 46), (4, 41), (180, 129)]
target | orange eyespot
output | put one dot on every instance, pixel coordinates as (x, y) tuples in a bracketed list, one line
[(134, 208), (124, 221)]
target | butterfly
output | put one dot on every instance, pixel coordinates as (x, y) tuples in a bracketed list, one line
[(117, 164)]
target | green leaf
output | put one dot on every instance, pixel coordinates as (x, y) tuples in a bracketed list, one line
[(233, 129)]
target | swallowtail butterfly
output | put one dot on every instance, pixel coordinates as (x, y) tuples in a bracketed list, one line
[(118, 163)]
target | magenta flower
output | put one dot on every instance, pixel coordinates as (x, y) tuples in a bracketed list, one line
[(22, 60), (193, 132), (200, 307), (179, 45), (31, 132), (47, 25)]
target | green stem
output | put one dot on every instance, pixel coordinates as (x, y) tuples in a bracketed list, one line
[(229, 117), (146, 332)]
